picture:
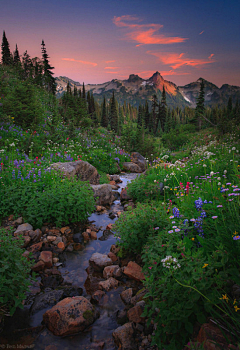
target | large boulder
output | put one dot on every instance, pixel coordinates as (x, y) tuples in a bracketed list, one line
[(84, 171), (103, 194), (138, 159), (70, 316), (131, 167), (134, 271)]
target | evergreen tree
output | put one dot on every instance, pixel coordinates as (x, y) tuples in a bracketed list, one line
[(6, 54), (104, 119), (83, 92), (146, 115), (113, 114), (27, 65), (48, 79), (16, 57), (153, 122), (200, 109), (162, 115)]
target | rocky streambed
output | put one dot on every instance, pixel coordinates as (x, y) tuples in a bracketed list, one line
[(84, 297)]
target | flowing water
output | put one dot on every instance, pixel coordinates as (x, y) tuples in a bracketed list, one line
[(26, 329)]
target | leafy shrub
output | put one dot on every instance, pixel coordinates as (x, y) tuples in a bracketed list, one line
[(134, 227), (184, 286), (61, 204), (57, 202), (14, 273)]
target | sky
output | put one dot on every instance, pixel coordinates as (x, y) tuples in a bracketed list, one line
[(95, 41)]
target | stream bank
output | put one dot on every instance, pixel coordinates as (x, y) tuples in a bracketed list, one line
[(71, 276)]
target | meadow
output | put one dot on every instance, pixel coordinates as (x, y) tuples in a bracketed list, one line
[(185, 227)]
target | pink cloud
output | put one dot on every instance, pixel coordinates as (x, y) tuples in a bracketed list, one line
[(111, 67), (201, 32), (112, 72), (144, 34), (174, 60), (211, 56), (79, 61), (110, 61)]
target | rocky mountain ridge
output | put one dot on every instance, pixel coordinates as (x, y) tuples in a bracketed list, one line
[(136, 90)]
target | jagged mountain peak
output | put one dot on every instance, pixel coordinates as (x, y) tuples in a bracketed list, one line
[(134, 78)]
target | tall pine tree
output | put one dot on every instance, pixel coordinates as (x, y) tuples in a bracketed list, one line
[(6, 54), (16, 57), (113, 114), (200, 109), (48, 79)]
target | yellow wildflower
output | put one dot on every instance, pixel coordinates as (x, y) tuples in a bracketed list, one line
[(224, 297), (205, 265), (193, 240), (236, 308)]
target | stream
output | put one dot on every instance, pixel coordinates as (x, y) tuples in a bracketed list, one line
[(25, 331)]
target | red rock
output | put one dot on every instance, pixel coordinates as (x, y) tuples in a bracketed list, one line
[(78, 246), (86, 236), (93, 235), (97, 296), (35, 247), (54, 231), (113, 257), (70, 316), (61, 246), (27, 240), (114, 249), (212, 336), (99, 261), (39, 266), (112, 183), (63, 229), (134, 314), (124, 337), (134, 271), (124, 196), (109, 226), (46, 257)]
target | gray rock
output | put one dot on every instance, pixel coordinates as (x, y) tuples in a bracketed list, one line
[(103, 194), (99, 261), (115, 178), (84, 171), (126, 296), (49, 298), (23, 228), (138, 159), (131, 167)]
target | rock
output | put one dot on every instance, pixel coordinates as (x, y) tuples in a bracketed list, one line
[(124, 196), (106, 234), (93, 235), (114, 249), (97, 296), (113, 257), (108, 284), (46, 257), (35, 247), (36, 235), (92, 284), (47, 299), (19, 221), (134, 314), (70, 316), (126, 296), (34, 287), (138, 159), (115, 178), (52, 278), (134, 271), (39, 266), (27, 240), (77, 246), (64, 229), (70, 247), (99, 261), (131, 167), (212, 337), (71, 291), (122, 317), (86, 236), (61, 246), (84, 171), (112, 271), (51, 238), (139, 296), (109, 226), (124, 337), (100, 208), (23, 228), (57, 240), (103, 194)]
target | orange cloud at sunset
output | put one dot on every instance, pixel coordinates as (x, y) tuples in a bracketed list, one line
[(144, 34), (201, 32), (174, 60), (110, 61), (84, 62), (211, 56), (111, 67)]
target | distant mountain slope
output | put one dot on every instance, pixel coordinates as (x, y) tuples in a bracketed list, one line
[(136, 91)]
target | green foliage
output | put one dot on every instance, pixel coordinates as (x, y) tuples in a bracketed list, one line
[(135, 226), (14, 272)]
